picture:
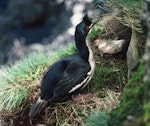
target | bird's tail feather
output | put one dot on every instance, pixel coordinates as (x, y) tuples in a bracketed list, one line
[(37, 107)]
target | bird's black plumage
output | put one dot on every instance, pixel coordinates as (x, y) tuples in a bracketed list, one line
[(68, 75)]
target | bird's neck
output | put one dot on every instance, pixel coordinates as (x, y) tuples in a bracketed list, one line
[(83, 47), (85, 51)]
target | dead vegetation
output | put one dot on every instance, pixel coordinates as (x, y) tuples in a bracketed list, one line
[(67, 113)]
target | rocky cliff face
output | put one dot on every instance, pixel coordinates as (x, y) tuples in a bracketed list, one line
[(146, 19), (28, 26)]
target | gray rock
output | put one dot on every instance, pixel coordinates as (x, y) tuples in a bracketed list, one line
[(132, 54), (28, 12), (42, 25), (110, 46)]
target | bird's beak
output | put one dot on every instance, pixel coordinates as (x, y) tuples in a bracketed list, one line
[(89, 27), (93, 24)]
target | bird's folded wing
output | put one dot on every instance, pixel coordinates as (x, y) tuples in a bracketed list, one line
[(73, 78)]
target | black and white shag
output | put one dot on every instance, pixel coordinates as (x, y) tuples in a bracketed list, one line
[(69, 74)]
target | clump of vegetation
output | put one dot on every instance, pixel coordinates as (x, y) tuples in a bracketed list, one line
[(132, 99), (94, 33), (98, 119), (129, 12), (17, 80), (109, 75), (146, 113)]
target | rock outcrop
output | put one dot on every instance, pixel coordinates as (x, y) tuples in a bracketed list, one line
[(110, 46), (133, 53), (45, 25), (147, 46)]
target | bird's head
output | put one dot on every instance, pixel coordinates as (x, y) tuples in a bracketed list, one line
[(84, 26), (87, 22)]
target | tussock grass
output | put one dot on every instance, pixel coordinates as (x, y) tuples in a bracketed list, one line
[(18, 79)]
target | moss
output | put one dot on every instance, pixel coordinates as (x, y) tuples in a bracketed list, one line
[(146, 116), (132, 99), (99, 119)]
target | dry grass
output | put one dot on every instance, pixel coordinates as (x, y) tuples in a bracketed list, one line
[(67, 113), (128, 12)]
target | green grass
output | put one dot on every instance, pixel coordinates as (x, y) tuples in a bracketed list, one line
[(146, 113), (132, 101), (132, 98), (95, 31), (109, 75), (98, 119), (18, 79)]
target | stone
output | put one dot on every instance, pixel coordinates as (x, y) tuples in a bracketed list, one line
[(29, 11), (43, 25), (132, 54), (110, 46)]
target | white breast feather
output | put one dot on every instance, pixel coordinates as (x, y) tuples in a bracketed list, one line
[(89, 74)]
